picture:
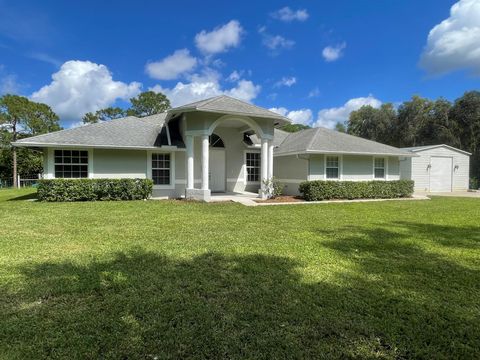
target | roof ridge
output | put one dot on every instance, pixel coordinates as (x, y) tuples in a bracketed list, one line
[(209, 100)]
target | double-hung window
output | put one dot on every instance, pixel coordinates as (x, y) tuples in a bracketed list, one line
[(379, 168), (161, 169), (252, 162), (71, 164), (332, 167)]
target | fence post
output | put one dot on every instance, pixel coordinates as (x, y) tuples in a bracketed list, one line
[(18, 181)]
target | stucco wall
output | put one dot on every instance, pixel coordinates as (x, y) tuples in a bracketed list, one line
[(290, 171), (115, 164), (420, 171), (353, 167)]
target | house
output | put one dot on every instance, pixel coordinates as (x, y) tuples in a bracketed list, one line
[(437, 168), (219, 144)]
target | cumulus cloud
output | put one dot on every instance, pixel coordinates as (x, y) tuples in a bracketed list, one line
[(219, 39), (286, 81), (275, 42), (329, 117), (315, 92), (171, 66), (83, 86), (301, 116), (455, 42), (332, 53), (202, 87), (288, 15)]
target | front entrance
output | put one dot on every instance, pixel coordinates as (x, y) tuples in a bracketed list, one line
[(440, 174), (217, 170)]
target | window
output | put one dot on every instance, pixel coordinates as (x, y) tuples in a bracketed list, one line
[(71, 164), (216, 141), (332, 167), (379, 168), (252, 162), (161, 169)]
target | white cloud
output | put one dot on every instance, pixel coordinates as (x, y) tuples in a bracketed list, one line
[(234, 76), (202, 87), (9, 85), (329, 117), (288, 15), (455, 42), (171, 66), (314, 93), (286, 81), (219, 39), (301, 116), (83, 86), (275, 42), (332, 53), (45, 58)]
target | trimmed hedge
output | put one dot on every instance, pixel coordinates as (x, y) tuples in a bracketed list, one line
[(327, 190), (94, 189)]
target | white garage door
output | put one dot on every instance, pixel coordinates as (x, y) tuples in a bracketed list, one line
[(440, 174)]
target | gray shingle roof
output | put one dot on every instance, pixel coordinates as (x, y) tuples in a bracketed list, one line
[(322, 140), (228, 105), (427, 147), (125, 132)]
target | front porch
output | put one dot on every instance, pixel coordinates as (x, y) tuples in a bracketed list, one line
[(234, 167)]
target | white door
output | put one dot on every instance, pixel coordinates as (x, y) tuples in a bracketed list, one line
[(440, 174), (217, 170)]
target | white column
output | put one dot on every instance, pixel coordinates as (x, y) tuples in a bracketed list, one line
[(270, 159), (205, 165), (189, 146), (264, 162)]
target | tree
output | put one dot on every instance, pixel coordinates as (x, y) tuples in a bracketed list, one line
[(438, 127), (148, 103), (21, 117), (103, 115), (373, 124), (294, 127), (466, 114), (340, 127), (412, 116)]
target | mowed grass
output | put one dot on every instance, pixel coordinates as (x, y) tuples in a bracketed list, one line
[(177, 280)]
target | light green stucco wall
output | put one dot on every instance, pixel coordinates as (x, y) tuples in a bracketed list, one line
[(119, 163)]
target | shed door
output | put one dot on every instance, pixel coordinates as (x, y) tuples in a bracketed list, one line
[(217, 170), (441, 174)]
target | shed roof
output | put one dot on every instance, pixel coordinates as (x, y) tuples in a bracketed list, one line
[(416, 149)]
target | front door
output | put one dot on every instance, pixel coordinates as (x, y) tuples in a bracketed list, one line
[(440, 174), (217, 170)]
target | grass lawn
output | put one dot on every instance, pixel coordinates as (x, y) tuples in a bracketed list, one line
[(161, 279)]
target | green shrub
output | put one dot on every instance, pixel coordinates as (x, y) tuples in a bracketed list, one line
[(94, 189), (326, 190)]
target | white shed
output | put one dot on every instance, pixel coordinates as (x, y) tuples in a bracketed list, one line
[(437, 168)]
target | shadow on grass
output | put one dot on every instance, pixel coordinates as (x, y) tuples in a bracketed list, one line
[(145, 305), (30, 196)]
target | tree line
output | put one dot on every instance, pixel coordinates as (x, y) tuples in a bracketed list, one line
[(21, 118)]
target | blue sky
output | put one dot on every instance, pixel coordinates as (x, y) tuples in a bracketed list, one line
[(313, 61)]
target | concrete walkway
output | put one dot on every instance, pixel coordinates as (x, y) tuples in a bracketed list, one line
[(248, 199), (467, 194)]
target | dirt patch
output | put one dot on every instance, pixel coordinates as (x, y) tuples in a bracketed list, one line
[(282, 199)]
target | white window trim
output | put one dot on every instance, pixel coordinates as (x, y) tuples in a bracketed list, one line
[(245, 177), (172, 168), (49, 172), (385, 159), (340, 167)]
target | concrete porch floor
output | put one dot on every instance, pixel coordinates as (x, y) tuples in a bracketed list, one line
[(245, 198)]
